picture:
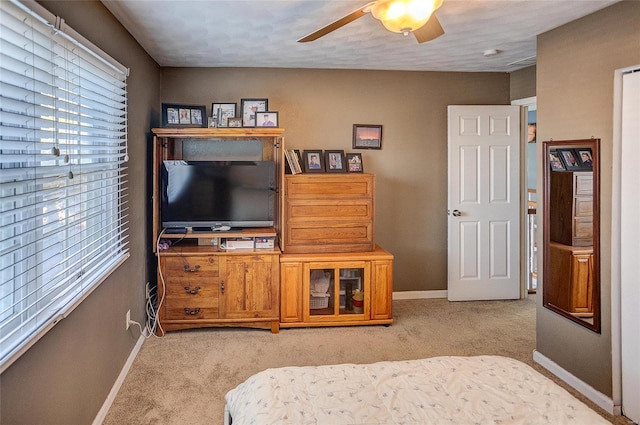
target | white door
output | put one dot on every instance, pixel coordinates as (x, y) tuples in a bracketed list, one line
[(630, 246), (484, 203)]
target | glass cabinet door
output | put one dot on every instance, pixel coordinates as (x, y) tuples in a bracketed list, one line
[(336, 290)]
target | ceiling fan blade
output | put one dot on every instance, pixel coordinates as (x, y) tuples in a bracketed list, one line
[(336, 24), (429, 31)]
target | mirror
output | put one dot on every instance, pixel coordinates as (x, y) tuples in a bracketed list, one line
[(571, 232)]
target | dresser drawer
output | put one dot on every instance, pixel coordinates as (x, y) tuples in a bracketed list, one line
[(191, 267), (192, 288), (584, 207), (344, 186), (583, 184), (190, 308), (317, 210), (316, 237)]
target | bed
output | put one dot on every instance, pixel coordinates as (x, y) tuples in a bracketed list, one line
[(438, 390)]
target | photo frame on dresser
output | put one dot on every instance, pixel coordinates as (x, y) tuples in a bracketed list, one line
[(354, 163), (249, 108), (334, 161), (570, 159), (313, 161), (585, 156), (555, 162), (176, 116)]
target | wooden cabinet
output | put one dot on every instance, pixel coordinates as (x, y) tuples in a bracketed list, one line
[(320, 289), (200, 284), (324, 227), (328, 213), (571, 279), (571, 208), (200, 288)]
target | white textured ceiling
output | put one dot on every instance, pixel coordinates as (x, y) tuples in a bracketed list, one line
[(263, 33)]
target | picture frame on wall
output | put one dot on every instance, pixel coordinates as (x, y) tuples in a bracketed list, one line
[(175, 115), (267, 119), (354, 163), (249, 108), (367, 136), (334, 161), (221, 112), (313, 161), (570, 159)]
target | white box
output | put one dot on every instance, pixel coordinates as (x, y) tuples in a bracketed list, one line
[(239, 244)]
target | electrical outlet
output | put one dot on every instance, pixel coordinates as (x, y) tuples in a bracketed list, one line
[(128, 319)]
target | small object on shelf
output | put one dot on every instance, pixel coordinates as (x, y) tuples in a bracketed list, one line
[(239, 243), (266, 242), (358, 301)]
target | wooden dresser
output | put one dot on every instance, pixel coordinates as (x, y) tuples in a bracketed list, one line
[(571, 208), (202, 287), (328, 213), (571, 278), (331, 271)]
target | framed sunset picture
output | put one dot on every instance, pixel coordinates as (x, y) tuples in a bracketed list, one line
[(367, 136)]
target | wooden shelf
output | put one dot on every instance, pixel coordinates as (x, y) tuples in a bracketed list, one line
[(217, 132)]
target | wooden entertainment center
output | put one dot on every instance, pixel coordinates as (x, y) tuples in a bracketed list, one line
[(323, 270)]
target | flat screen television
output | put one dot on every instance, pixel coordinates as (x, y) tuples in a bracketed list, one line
[(210, 194)]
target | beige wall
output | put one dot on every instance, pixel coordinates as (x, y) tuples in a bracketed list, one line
[(318, 109), (576, 64), (66, 377), (522, 83)]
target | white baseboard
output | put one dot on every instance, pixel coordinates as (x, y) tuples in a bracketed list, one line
[(116, 386), (601, 400), (415, 295)]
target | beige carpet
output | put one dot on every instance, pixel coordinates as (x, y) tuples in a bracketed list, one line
[(183, 377)]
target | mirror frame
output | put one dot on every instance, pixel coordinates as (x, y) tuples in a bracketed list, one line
[(547, 147)]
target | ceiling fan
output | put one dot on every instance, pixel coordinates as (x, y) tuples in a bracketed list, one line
[(400, 16)]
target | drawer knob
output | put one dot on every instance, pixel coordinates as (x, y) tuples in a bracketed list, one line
[(192, 291), (191, 312), (191, 270)]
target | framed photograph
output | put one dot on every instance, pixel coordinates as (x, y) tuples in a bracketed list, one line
[(267, 119), (367, 136), (569, 158), (249, 109), (354, 163), (334, 161), (313, 162), (183, 115), (586, 158), (555, 162), (292, 161), (222, 112), (235, 122)]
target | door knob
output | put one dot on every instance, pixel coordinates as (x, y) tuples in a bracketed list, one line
[(456, 213)]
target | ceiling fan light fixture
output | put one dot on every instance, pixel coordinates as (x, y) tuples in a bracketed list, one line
[(403, 16)]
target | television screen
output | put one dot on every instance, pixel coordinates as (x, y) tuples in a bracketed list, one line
[(210, 194)]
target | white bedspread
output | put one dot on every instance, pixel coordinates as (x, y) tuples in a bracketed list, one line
[(439, 390)]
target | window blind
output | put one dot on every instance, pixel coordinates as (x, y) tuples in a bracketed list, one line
[(63, 150)]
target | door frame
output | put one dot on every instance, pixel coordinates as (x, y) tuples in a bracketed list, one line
[(527, 104), (616, 238)]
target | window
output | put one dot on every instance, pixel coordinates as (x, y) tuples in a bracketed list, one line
[(63, 149)]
